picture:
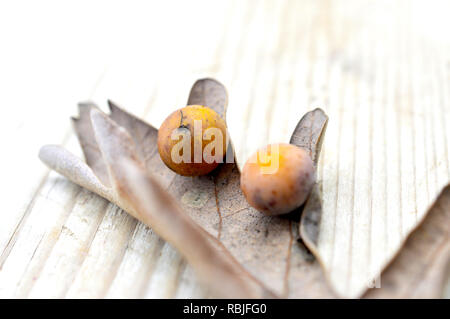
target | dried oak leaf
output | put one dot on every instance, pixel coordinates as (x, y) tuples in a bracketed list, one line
[(236, 251)]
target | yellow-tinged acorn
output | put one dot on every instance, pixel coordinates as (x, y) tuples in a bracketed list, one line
[(192, 140)]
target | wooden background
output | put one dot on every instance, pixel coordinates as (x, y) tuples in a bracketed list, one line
[(380, 69)]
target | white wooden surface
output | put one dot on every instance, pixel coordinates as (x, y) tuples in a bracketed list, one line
[(381, 70)]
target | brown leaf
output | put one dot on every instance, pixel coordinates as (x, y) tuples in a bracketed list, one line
[(253, 253), (67, 164), (310, 131), (309, 134), (421, 267), (85, 132)]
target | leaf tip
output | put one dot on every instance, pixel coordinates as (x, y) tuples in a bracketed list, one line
[(207, 79), (112, 106), (97, 117), (320, 110), (84, 109), (86, 104), (42, 152), (48, 153)]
